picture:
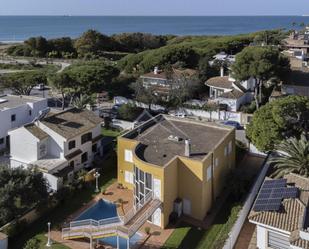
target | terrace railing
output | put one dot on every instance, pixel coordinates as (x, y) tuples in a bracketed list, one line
[(131, 213), (116, 225)]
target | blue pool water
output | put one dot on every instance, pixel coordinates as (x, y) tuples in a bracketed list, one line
[(103, 210), (99, 211), (122, 242)]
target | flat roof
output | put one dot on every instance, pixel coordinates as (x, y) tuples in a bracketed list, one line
[(158, 149), (12, 101), (72, 122), (49, 164)]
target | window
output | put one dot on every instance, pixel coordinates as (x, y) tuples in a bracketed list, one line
[(72, 144), (217, 162), (277, 241), (2, 140), (225, 151), (84, 157), (94, 148), (43, 150), (30, 112), (13, 117), (128, 177), (86, 137), (128, 156), (209, 175), (230, 147)]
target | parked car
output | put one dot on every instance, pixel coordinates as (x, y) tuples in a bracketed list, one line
[(232, 123)]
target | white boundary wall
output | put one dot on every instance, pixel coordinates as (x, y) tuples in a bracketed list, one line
[(242, 216)]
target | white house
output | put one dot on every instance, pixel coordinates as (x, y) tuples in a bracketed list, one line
[(59, 144), (280, 213), (226, 90), (16, 111)]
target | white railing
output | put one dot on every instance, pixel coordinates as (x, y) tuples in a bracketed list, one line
[(130, 214), (141, 220), (95, 223), (242, 216)]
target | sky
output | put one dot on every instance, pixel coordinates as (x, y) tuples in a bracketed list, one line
[(154, 7)]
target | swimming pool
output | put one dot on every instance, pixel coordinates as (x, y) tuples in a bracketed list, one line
[(101, 210), (122, 242), (104, 209)]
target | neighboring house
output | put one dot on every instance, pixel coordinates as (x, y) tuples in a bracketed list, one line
[(226, 90), (297, 83), (16, 111), (58, 144), (280, 213), (162, 84), (179, 161), (223, 57), (297, 41)]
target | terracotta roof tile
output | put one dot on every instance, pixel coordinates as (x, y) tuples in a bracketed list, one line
[(220, 82), (234, 94)]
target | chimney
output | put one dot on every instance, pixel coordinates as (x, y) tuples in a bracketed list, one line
[(155, 71), (221, 71), (187, 147)]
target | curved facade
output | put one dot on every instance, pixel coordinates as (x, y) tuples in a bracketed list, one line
[(195, 180)]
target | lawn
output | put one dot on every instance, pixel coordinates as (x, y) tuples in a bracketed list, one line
[(110, 132), (70, 205), (187, 236)]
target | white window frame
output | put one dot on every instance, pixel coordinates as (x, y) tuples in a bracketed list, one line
[(217, 162), (209, 173), (128, 156), (225, 150), (128, 177), (230, 148)]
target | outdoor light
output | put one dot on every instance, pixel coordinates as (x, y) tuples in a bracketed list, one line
[(49, 243), (97, 175)]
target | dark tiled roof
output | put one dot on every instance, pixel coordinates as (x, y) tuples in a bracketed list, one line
[(220, 82), (72, 122), (234, 94), (73, 154), (96, 139), (176, 73), (36, 131)]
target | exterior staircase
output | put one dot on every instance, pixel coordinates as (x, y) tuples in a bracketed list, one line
[(125, 226)]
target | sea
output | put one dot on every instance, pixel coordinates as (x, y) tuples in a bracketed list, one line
[(20, 28)]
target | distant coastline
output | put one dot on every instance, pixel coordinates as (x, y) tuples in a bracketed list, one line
[(19, 28)]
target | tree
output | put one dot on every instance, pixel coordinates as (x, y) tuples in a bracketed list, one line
[(145, 95), (129, 112), (278, 120), (38, 45), (93, 42), (20, 189), (61, 83), (293, 157), (91, 77), (270, 37), (82, 101), (22, 83), (261, 63), (211, 107)]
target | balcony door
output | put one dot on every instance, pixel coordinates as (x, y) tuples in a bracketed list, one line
[(142, 186)]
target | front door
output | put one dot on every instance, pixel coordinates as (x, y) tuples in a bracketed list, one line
[(156, 217)]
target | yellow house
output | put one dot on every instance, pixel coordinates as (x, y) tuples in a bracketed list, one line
[(179, 161)]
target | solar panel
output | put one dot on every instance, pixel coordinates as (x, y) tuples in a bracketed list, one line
[(271, 194)]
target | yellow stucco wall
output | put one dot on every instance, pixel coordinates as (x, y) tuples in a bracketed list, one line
[(183, 177)]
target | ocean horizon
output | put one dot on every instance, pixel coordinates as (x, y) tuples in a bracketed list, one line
[(20, 28)]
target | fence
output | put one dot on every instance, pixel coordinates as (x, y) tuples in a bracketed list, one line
[(242, 216)]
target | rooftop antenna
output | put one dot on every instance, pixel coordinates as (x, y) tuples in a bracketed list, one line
[(42, 114)]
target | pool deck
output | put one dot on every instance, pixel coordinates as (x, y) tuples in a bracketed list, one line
[(113, 193)]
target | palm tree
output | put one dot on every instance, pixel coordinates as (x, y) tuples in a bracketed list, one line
[(293, 158), (120, 202), (82, 102)]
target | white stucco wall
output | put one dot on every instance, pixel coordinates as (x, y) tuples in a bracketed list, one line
[(261, 237), (24, 146), (22, 116)]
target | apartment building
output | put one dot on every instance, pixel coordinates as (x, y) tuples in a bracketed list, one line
[(181, 162), (16, 111), (58, 144)]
